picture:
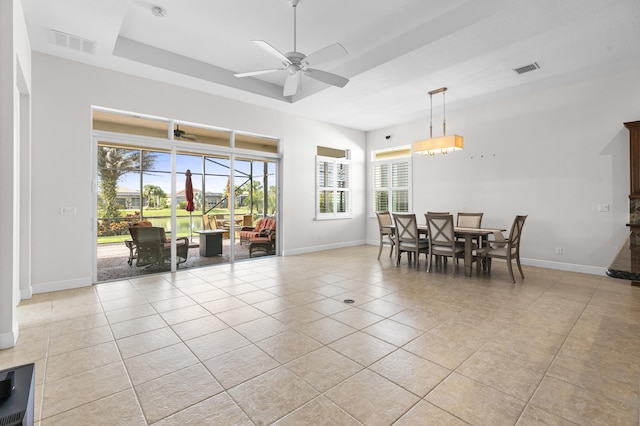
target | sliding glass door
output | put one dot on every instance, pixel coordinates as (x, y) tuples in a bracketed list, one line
[(142, 182)]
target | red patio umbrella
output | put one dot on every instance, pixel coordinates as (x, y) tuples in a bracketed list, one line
[(188, 194)]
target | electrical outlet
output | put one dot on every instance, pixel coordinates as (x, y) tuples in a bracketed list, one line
[(603, 207), (558, 250)]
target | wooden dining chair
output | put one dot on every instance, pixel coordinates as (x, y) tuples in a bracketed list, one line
[(442, 238), (470, 220), (386, 232), (507, 249), (407, 238)]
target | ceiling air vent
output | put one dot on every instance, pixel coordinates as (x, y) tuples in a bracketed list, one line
[(73, 42), (531, 67)]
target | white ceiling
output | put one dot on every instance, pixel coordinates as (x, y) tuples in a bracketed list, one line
[(398, 49)]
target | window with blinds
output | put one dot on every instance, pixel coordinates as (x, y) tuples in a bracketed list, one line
[(333, 184), (391, 180)]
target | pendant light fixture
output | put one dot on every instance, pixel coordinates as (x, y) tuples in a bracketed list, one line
[(443, 144)]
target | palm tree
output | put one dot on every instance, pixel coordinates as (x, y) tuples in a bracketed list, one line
[(113, 163), (153, 193)]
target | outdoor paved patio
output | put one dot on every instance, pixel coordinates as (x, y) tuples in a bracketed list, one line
[(113, 260)]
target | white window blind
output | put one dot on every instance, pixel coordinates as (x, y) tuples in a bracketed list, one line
[(333, 176), (391, 181)]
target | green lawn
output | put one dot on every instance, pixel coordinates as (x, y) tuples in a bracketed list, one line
[(162, 217)]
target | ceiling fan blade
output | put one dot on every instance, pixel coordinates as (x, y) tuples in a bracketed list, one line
[(327, 77), (326, 54), (252, 73), (291, 85), (271, 50)]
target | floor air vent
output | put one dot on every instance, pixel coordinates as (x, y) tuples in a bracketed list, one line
[(531, 67), (73, 42)]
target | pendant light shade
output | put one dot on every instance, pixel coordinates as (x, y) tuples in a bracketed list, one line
[(443, 144)]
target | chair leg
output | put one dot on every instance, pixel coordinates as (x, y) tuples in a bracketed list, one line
[(510, 268), (380, 250), (519, 266)]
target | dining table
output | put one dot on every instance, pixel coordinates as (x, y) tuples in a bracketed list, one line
[(468, 234)]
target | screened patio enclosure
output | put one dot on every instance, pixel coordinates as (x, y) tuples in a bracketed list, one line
[(141, 180)]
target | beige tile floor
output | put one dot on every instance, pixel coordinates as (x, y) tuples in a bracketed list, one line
[(271, 341)]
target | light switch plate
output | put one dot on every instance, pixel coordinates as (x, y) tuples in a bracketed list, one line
[(67, 211)]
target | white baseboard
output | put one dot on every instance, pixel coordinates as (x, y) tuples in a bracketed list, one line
[(312, 249), (8, 340), (61, 285), (26, 293), (571, 267)]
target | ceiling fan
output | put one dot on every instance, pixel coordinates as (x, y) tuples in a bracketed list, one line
[(298, 63), (181, 134)]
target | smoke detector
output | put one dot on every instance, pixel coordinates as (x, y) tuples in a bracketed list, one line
[(158, 11)]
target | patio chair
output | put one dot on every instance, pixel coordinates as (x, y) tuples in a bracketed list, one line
[(153, 247), (244, 223), (507, 249), (247, 220), (386, 232), (133, 252), (265, 242), (206, 222), (248, 232), (213, 221)]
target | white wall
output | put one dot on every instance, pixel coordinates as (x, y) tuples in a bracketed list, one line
[(64, 92), (553, 156), (15, 80)]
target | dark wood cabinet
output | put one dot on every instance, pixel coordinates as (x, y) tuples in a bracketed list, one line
[(634, 156)]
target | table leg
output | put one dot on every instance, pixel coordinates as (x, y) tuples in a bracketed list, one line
[(468, 251)]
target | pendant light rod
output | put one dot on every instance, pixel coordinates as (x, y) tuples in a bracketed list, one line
[(444, 116), (430, 115), (444, 111)]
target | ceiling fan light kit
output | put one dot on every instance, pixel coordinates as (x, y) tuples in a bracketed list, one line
[(443, 144), (297, 63)]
